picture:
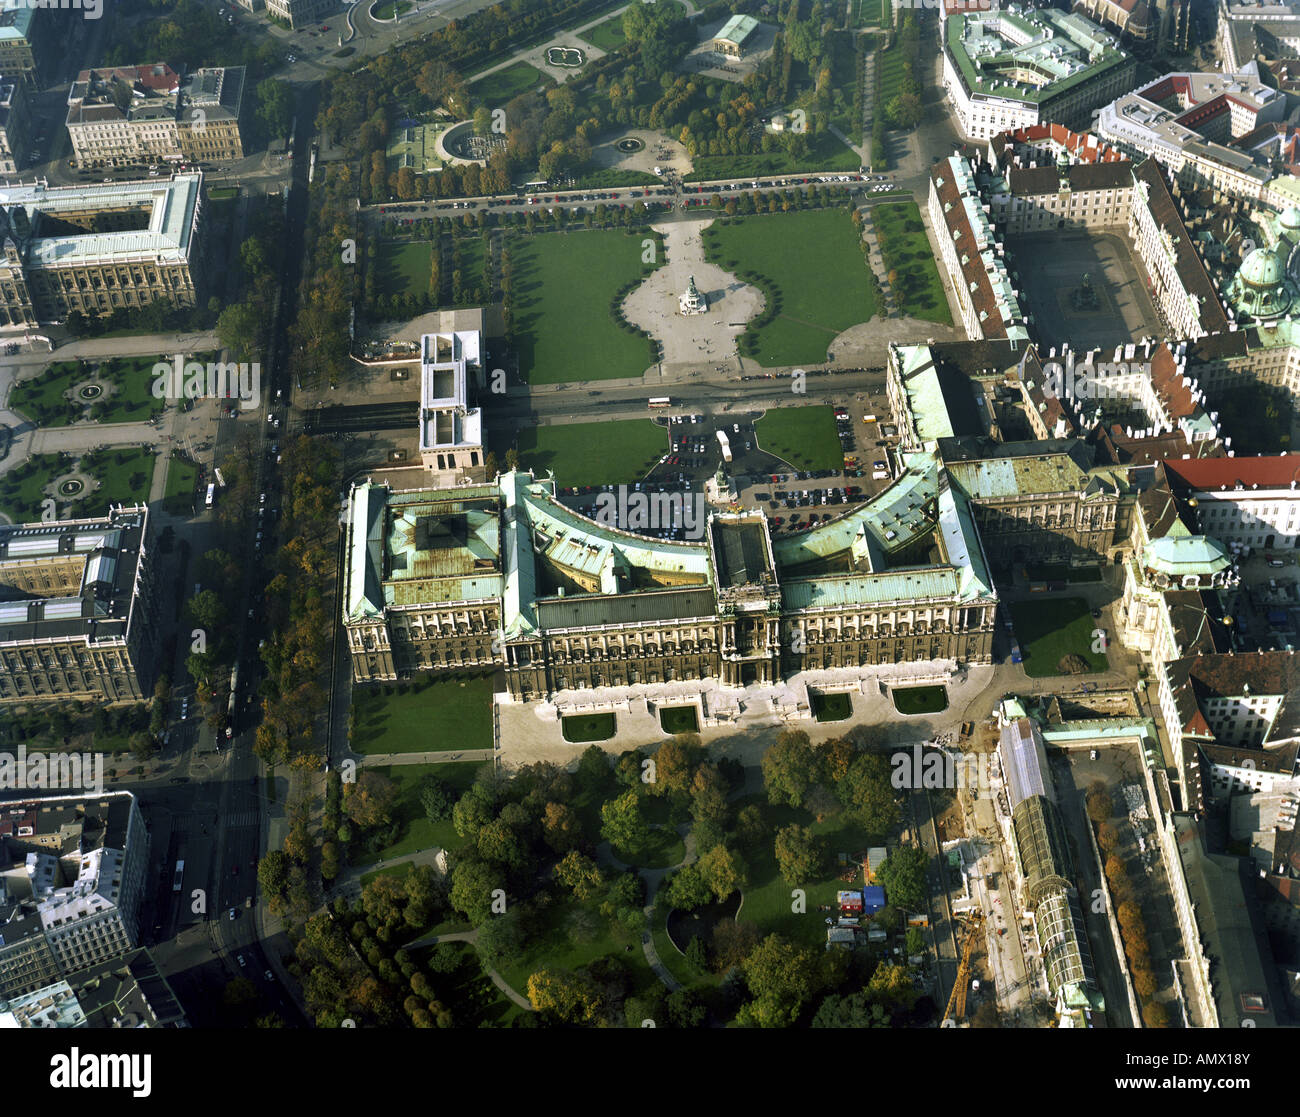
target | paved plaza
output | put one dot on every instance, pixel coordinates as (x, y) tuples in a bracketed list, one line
[(700, 339)]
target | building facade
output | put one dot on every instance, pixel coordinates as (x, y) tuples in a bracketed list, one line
[(506, 575), (92, 249), (1014, 68), (151, 113), (78, 614), (73, 872), (13, 123)]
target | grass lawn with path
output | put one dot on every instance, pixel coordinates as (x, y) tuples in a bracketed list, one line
[(129, 399), (418, 832), (1049, 628), (617, 453), (474, 1001), (814, 260), (919, 699), (554, 947), (825, 153), (506, 84), (806, 437), (563, 284), (766, 902), (447, 715), (907, 253), (582, 728), (608, 36)]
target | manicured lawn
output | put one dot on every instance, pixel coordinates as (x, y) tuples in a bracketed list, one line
[(806, 437), (813, 259), (504, 85), (679, 719), (128, 398), (391, 871), (581, 728), (447, 715), (392, 7), (869, 13), (223, 193), (663, 849), (556, 948), (613, 178), (614, 453), (608, 35), (919, 699), (564, 283), (670, 956), (1049, 628), (182, 485), (908, 256), (825, 153), (832, 707), (402, 267), (419, 833), (766, 902)]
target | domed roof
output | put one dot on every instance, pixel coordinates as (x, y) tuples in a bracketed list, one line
[(1289, 219), (1262, 268)]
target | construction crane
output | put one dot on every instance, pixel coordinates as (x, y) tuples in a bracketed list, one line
[(956, 1009)]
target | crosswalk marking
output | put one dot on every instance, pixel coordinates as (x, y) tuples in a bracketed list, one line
[(243, 818)]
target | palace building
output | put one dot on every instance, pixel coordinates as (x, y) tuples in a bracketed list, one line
[(95, 248), (77, 613), (504, 574)]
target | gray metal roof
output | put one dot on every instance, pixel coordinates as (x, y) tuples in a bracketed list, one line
[(626, 608)]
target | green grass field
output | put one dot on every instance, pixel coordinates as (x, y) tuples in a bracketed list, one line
[(907, 254), (679, 719), (564, 283), (920, 699), (869, 13), (806, 437), (390, 8), (129, 398), (825, 153), (506, 84), (182, 486), (814, 261), (448, 715), (766, 902), (581, 728), (401, 268), (832, 707), (889, 73), (555, 947), (1051, 627), (124, 477), (616, 453), (418, 832), (608, 35)]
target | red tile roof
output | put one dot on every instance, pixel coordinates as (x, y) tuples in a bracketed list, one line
[(1280, 472)]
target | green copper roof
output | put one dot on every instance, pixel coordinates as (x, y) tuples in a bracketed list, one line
[(1179, 553)]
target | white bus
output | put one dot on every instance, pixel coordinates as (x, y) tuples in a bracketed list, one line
[(180, 872), (661, 401), (212, 492), (726, 446)]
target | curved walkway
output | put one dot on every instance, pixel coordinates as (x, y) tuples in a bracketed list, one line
[(653, 879), (471, 937)]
